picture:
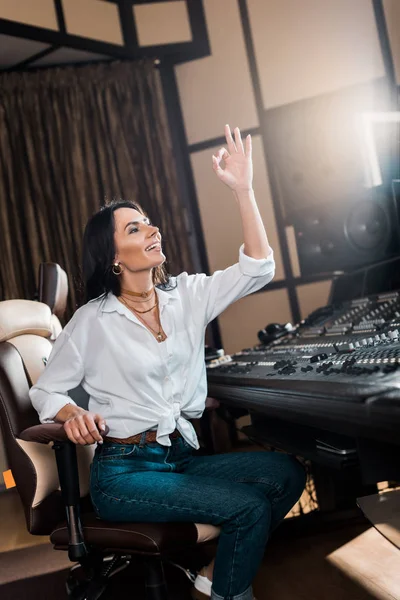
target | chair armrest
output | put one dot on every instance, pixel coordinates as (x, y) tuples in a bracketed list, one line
[(48, 432), (67, 466)]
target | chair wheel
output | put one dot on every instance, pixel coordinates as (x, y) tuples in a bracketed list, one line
[(89, 590), (76, 592)]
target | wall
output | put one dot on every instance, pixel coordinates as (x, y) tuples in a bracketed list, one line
[(302, 50)]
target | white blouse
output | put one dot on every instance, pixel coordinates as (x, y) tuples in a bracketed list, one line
[(133, 381)]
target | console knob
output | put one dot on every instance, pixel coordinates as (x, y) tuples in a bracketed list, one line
[(318, 357)]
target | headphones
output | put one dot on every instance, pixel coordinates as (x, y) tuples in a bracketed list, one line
[(273, 331)]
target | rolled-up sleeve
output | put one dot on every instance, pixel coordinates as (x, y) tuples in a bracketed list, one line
[(64, 372), (211, 295), (256, 267)]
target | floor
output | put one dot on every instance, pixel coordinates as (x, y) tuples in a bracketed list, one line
[(353, 563)]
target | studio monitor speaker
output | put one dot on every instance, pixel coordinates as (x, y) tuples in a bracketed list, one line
[(357, 229)]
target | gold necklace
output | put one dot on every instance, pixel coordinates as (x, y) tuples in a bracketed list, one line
[(140, 294), (160, 335), (142, 300), (138, 301), (142, 312)]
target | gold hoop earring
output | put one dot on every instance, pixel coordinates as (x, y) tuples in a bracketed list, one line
[(117, 266)]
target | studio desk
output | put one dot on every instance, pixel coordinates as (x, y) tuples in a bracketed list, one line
[(329, 390)]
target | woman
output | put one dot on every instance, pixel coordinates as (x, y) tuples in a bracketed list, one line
[(137, 348)]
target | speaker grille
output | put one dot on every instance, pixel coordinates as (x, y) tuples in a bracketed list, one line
[(367, 226)]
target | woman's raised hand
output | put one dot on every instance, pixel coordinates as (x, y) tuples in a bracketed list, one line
[(238, 171)]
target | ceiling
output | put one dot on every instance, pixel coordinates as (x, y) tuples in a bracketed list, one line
[(56, 32), (17, 51)]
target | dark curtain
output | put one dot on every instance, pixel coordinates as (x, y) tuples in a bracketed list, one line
[(71, 139)]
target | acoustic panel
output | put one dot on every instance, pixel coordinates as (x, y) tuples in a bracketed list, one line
[(220, 214), (93, 19), (39, 13), (312, 47), (241, 321), (217, 89), (151, 20)]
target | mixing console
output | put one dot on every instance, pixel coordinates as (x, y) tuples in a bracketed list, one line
[(360, 339), (341, 362)]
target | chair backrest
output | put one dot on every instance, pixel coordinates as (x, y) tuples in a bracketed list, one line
[(53, 291), (25, 345)]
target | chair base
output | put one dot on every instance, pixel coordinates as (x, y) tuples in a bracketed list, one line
[(90, 581), (156, 586)]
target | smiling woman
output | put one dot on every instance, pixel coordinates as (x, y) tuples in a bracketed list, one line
[(137, 348), (138, 248), (122, 253), (138, 252)]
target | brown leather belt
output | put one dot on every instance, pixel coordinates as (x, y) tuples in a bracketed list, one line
[(151, 436)]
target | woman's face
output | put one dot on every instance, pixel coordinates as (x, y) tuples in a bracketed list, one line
[(137, 241)]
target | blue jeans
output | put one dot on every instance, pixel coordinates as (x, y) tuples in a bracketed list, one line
[(246, 494)]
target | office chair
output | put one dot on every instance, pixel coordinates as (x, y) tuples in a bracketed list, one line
[(52, 474)]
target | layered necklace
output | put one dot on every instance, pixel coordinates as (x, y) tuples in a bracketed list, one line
[(159, 334)]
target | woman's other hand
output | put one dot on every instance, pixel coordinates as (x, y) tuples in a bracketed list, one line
[(81, 426)]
